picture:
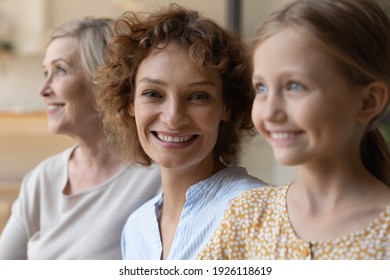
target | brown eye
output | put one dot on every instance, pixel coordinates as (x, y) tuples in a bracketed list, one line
[(151, 94), (199, 96)]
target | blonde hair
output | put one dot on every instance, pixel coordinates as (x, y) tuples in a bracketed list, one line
[(93, 36)]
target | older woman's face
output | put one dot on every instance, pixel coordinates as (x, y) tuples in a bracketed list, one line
[(66, 89), (177, 109)]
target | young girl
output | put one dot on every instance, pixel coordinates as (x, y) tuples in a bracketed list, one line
[(322, 74)]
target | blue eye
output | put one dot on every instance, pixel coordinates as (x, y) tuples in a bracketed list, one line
[(295, 86), (261, 88)]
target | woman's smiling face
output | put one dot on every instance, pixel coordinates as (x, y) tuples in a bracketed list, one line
[(177, 109), (67, 90)]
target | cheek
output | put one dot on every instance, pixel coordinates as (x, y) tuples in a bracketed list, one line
[(256, 115), (141, 132), (210, 119), (143, 119), (76, 90), (140, 119), (316, 114), (138, 110)]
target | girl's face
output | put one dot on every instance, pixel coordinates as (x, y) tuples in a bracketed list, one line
[(177, 109), (304, 107), (66, 90)]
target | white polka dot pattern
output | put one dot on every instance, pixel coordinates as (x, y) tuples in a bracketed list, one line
[(256, 226)]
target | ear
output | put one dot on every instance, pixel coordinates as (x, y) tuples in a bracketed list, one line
[(225, 114), (373, 101), (131, 109)]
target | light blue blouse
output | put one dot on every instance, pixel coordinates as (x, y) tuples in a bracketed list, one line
[(203, 210)]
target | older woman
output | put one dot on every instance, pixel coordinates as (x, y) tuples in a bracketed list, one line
[(73, 205)]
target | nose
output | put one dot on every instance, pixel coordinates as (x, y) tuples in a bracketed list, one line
[(274, 108), (174, 113), (45, 88)]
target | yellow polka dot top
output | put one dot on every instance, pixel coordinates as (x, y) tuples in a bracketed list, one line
[(257, 226)]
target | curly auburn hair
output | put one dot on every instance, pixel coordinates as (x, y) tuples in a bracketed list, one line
[(209, 46)]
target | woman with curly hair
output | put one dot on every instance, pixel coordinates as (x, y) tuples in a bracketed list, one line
[(176, 90)]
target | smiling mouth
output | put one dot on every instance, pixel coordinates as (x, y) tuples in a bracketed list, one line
[(174, 139), (283, 135), (55, 106)]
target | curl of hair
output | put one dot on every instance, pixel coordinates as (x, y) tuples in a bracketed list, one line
[(356, 34), (210, 48)]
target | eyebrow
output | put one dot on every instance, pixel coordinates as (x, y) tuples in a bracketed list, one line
[(256, 77), (56, 61), (159, 82)]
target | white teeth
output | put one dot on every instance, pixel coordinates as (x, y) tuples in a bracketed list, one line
[(281, 135), (54, 106), (170, 139)]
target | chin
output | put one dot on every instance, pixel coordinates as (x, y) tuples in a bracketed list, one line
[(53, 129), (287, 160)]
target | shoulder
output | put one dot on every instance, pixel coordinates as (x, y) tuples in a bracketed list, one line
[(54, 168), (235, 180), (145, 212), (259, 199), (139, 180), (140, 170), (54, 163), (263, 193), (238, 176), (141, 222), (141, 174)]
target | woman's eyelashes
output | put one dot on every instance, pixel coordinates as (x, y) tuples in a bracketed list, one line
[(199, 96), (261, 88), (56, 70), (151, 94), (60, 70)]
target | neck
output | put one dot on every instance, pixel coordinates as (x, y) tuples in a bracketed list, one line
[(330, 202), (327, 187), (89, 165)]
